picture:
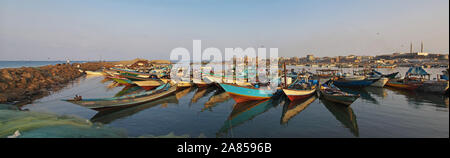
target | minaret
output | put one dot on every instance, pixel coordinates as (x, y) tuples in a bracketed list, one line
[(421, 46), (410, 49)]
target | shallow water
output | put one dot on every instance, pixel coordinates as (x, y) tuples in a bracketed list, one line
[(379, 112)]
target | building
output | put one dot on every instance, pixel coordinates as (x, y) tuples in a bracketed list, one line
[(310, 57)]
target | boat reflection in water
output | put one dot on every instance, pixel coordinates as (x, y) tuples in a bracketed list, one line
[(245, 111), (420, 98), (127, 90), (108, 116), (344, 115), (219, 96), (180, 94), (377, 91), (291, 109), (362, 93), (200, 93)]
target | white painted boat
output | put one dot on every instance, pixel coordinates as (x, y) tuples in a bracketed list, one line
[(94, 73), (295, 94)]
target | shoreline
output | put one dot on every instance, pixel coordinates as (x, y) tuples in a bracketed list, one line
[(20, 86)]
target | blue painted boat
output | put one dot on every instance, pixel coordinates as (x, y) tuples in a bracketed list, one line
[(354, 83), (247, 93)]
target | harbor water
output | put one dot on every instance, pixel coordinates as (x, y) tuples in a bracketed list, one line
[(211, 113)]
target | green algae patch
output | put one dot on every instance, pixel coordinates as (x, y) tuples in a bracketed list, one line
[(45, 125)]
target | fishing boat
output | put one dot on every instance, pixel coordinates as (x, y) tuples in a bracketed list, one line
[(414, 78), (380, 82), (148, 85), (403, 84), (98, 73), (120, 80), (247, 93), (354, 82), (111, 115), (389, 76), (126, 100), (301, 88), (334, 94)]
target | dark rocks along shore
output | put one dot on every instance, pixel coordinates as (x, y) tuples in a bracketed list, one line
[(23, 85)]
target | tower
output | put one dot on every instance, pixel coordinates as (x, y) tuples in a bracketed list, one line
[(421, 46)]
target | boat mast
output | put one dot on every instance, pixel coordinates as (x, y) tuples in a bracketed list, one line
[(285, 78)]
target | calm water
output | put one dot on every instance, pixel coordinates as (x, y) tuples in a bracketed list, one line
[(16, 64), (379, 112)]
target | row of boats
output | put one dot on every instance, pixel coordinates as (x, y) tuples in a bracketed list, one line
[(158, 84)]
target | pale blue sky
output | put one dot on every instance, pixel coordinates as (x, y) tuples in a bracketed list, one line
[(119, 29)]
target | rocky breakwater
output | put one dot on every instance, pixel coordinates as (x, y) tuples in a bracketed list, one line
[(23, 85)]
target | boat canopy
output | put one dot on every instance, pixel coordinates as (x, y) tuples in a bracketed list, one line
[(417, 71)]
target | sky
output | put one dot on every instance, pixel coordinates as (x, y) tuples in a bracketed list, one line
[(123, 30)]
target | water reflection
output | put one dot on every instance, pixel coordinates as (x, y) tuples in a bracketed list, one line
[(180, 94), (245, 111), (127, 90), (420, 98), (378, 91), (344, 115), (108, 116), (200, 93), (364, 94), (291, 109), (219, 96)]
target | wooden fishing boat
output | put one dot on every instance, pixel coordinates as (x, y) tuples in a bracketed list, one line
[(301, 89), (334, 94), (108, 116), (120, 80), (381, 82), (247, 93), (354, 83), (148, 85), (94, 73), (126, 100), (403, 84), (295, 94)]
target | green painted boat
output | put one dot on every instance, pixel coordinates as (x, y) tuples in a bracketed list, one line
[(101, 104), (334, 94)]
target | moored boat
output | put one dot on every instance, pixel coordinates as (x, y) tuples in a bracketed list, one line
[(354, 83), (247, 93), (334, 94), (95, 73), (148, 85), (126, 100), (380, 83), (403, 84), (301, 88)]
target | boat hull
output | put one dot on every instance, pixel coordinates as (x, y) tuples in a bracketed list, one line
[(104, 104), (354, 83), (380, 83), (399, 85), (293, 94), (243, 94), (345, 100)]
